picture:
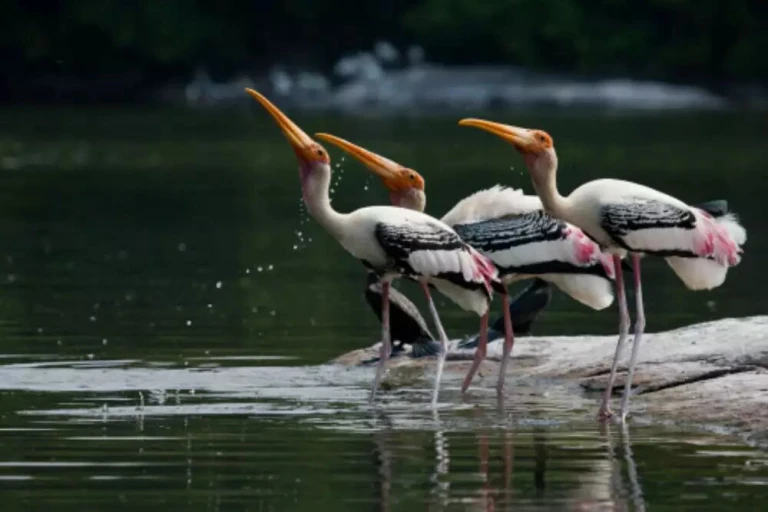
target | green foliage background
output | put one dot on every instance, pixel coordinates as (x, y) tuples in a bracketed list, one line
[(705, 41)]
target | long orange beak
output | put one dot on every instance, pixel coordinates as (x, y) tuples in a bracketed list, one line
[(519, 137), (301, 142), (385, 168)]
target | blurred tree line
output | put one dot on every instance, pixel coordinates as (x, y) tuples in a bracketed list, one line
[(148, 42)]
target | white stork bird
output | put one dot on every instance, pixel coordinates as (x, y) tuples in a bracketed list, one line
[(699, 243), (510, 229), (394, 242)]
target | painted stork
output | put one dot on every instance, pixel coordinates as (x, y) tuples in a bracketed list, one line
[(699, 243), (393, 242), (510, 229)]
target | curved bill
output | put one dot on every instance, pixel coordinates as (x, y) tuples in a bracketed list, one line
[(300, 141), (385, 168), (519, 137)]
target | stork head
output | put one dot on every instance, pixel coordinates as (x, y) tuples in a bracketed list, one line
[(536, 146), (313, 158), (406, 186)]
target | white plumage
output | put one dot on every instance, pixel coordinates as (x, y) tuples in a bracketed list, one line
[(491, 203), (393, 242), (629, 217), (511, 213), (625, 217)]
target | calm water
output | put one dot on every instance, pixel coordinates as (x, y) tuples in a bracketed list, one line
[(165, 303)]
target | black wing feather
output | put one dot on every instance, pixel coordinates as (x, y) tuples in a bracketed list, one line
[(620, 219), (496, 235), (510, 231), (400, 241)]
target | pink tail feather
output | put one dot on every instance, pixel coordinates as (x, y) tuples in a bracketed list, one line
[(587, 252), (716, 242), (606, 261), (487, 271)]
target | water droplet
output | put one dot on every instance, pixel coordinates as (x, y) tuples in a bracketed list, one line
[(92, 318), (271, 267), (182, 247), (210, 306), (295, 247), (189, 322), (219, 284), (247, 271), (90, 356), (58, 342), (254, 310), (39, 330), (104, 341), (11, 278), (272, 313)]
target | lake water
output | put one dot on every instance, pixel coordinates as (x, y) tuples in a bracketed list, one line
[(166, 307)]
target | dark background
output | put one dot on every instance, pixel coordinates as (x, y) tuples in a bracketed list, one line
[(100, 50)]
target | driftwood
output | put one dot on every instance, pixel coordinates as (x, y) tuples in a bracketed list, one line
[(711, 374)]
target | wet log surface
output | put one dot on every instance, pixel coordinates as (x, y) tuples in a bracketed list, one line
[(713, 374)]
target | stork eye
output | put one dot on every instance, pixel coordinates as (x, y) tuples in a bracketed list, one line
[(320, 152), (412, 176)]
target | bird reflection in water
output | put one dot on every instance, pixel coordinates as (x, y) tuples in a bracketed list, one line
[(442, 485), (634, 493), (382, 438), (610, 483)]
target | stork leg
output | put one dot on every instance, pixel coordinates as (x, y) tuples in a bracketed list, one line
[(509, 341), (385, 343), (480, 351), (443, 342), (605, 407), (639, 329)]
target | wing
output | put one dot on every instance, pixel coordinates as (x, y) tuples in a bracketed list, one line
[(533, 243), (650, 226), (491, 203), (422, 249)]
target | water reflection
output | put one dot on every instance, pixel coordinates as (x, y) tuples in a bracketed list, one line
[(441, 483), (486, 475)]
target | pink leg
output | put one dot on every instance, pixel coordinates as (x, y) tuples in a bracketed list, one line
[(443, 342), (509, 341), (639, 329), (385, 342), (480, 352), (605, 408)]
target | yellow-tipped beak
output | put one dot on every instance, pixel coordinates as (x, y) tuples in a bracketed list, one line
[(300, 141), (385, 168), (519, 137)]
